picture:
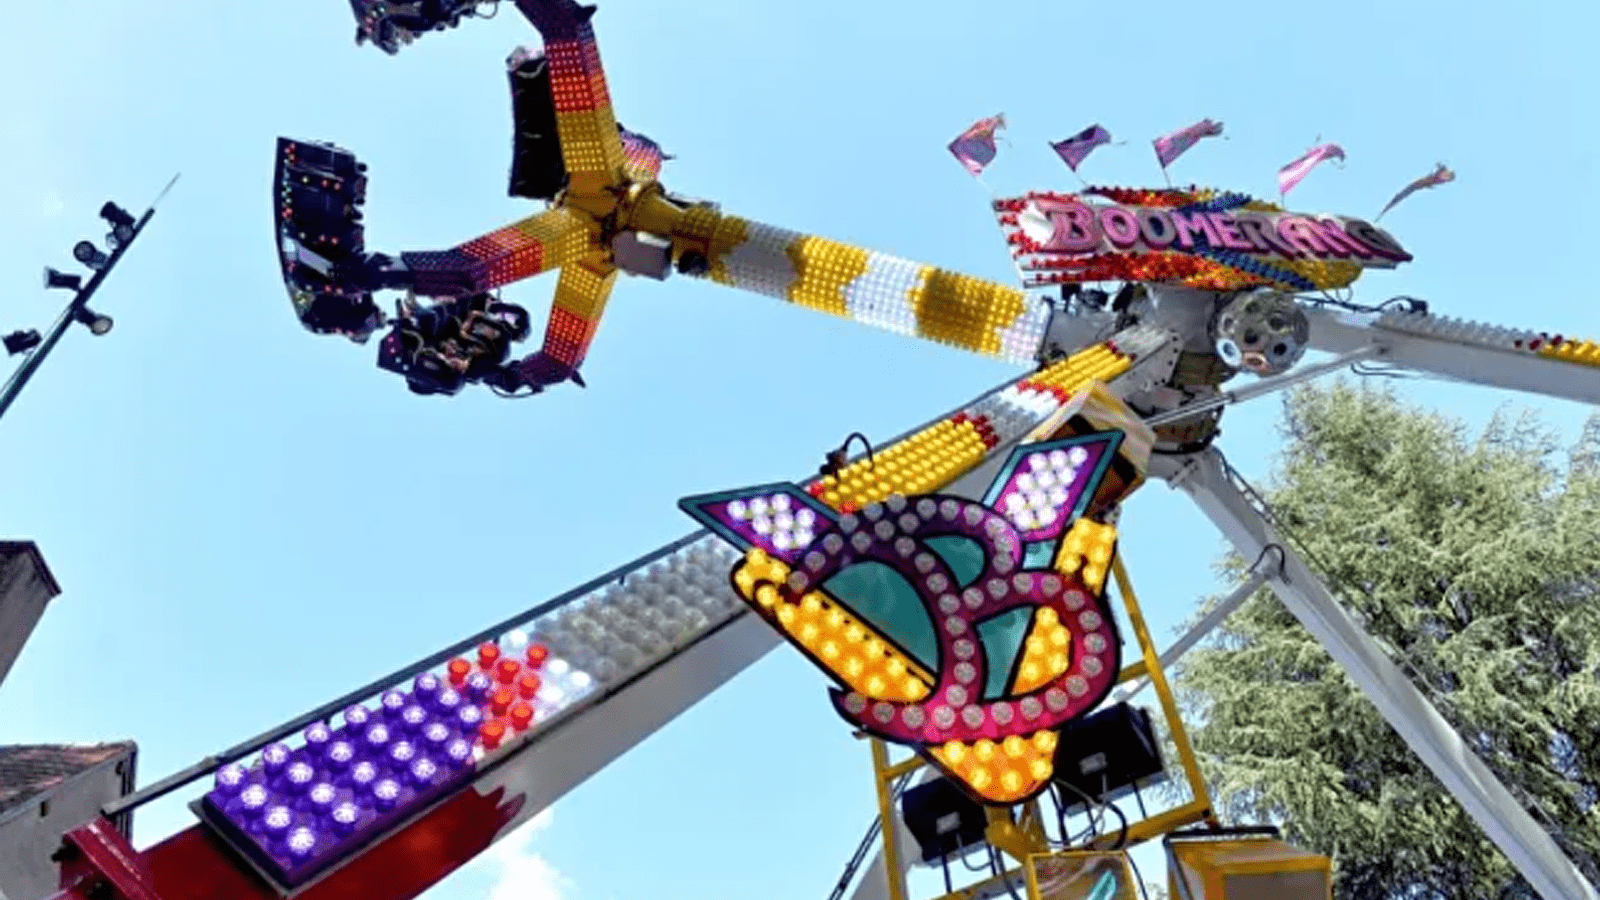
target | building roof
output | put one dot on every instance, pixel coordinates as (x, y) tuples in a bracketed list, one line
[(27, 770), (31, 550)]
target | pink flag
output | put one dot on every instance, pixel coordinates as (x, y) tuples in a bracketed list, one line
[(1295, 172), (1174, 145), (1074, 150), (975, 147), (1441, 174)]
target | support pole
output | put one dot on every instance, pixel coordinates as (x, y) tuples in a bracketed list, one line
[(1207, 623), (1158, 678), (1263, 387), (884, 781), (80, 301), (1204, 477)]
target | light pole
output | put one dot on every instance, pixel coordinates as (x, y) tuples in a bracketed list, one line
[(124, 229)]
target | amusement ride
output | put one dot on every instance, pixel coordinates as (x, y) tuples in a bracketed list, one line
[(954, 583)]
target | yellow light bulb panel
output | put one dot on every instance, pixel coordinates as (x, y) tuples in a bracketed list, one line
[(1573, 350), (872, 288), (967, 630)]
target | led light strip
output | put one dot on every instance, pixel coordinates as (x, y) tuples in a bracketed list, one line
[(944, 451), (875, 289), (1517, 340)]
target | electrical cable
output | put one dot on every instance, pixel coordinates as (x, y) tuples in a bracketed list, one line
[(966, 855), (1122, 835), (999, 868), (1411, 304), (1138, 877), (836, 459)]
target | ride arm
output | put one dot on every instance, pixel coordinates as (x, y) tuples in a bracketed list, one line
[(1473, 352), (591, 145), (535, 245), (649, 640), (580, 300), (872, 288)]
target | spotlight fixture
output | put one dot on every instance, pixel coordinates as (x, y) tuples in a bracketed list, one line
[(58, 280), (21, 341), (942, 819), (97, 323), (121, 222), (90, 255)]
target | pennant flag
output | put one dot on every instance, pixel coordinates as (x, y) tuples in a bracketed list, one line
[(975, 147), (1441, 174), (1170, 147), (1074, 150), (1295, 172)]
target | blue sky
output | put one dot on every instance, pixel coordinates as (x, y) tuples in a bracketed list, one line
[(248, 520)]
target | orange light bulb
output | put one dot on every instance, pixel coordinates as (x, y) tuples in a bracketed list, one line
[(501, 700), (528, 685), (521, 716), (491, 733), (537, 654), (488, 652), (505, 671)]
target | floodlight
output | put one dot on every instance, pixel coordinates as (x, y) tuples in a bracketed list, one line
[(97, 323), (121, 222), (942, 818), (21, 341), (1108, 754), (57, 280), (90, 255)]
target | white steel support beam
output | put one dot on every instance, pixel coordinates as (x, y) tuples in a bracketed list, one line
[(1263, 569), (1264, 386), (1204, 477), (1460, 351)]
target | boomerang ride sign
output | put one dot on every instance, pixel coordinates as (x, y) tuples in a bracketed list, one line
[(1208, 239), (969, 631)]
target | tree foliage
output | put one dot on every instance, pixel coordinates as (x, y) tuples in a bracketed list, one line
[(1476, 559)]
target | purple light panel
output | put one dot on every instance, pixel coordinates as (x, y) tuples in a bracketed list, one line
[(297, 809), (1040, 493), (781, 520)]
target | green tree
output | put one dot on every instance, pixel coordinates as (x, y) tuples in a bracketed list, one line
[(1476, 560)]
